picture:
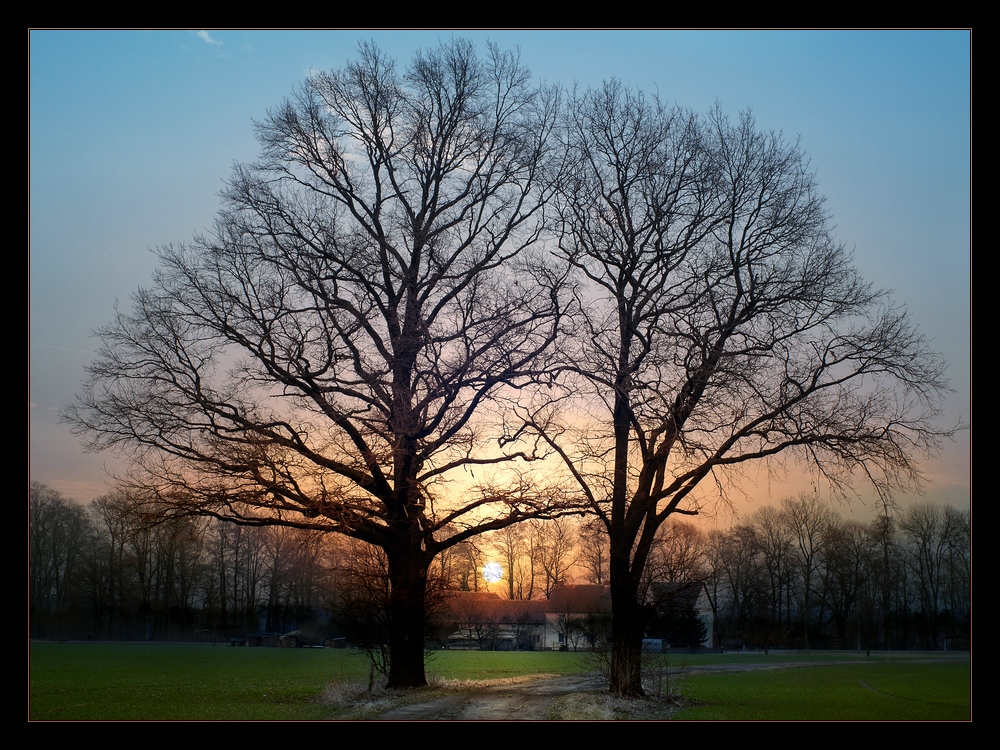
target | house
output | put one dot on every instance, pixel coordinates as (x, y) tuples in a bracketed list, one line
[(484, 621), (570, 619), (576, 616), (683, 616), (579, 617), (573, 618)]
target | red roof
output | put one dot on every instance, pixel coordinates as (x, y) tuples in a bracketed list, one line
[(459, 604), (584, 598)]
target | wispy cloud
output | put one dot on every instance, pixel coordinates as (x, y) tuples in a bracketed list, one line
[(207, 38)]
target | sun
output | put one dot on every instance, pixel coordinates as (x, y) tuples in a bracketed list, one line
[(492, 572)]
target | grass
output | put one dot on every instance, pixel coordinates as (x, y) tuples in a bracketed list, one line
[(909, 691), (96, 681), (184, 682), (134, 681)]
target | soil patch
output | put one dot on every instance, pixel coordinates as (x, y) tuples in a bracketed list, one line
[(541, 698)]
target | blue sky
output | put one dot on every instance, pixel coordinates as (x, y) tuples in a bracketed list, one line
[(133, 133)]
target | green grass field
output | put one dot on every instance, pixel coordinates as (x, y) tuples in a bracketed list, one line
[(908, 691), (191, 682), (183, 682)]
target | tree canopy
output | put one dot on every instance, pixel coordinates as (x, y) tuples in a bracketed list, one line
[(725, 325), (448, 269), (343, 342)]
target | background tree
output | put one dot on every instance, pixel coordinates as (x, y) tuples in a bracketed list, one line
[(847, 566), (513, 546), (774, 542), (298, 581), (738, 584), (675, 578), (190, 579), (935, 548), (959, 571), (808, 521), (677, 555), (675, 616), (594, 552), (467, 567), (57, 533), (337, 347), (362, 604), (724, 325), (557, 551), (882, 532)]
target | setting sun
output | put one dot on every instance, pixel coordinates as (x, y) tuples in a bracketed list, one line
[(492, 572)]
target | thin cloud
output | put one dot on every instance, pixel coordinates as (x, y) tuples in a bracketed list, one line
[(207, 38)]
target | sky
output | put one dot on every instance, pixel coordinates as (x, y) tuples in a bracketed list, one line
[(133, 133)]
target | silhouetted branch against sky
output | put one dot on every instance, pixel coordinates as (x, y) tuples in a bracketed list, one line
[(132, 134)]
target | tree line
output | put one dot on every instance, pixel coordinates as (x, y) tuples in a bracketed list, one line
[(447, 299), (105, 571), (801, 576), (794, 576), (101, 571)]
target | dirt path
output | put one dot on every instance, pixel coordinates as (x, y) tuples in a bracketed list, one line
[(547, 698), (526, 701), (553, 698)]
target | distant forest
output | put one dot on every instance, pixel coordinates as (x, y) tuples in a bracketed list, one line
[(793, 576)]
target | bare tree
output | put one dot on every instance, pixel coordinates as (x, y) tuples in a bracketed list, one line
[(467, 566), (935, 538), (674, 579), (343, 342), (512, 546), (775, 543), (362, 602), (807, 520), (57, 529), (557, 551), (847, 566), (677, 554), (594, 552), (724, 325), (737, 582), (958, 530)]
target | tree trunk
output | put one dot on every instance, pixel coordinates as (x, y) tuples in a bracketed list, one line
[(407, 608), (628, 623)]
